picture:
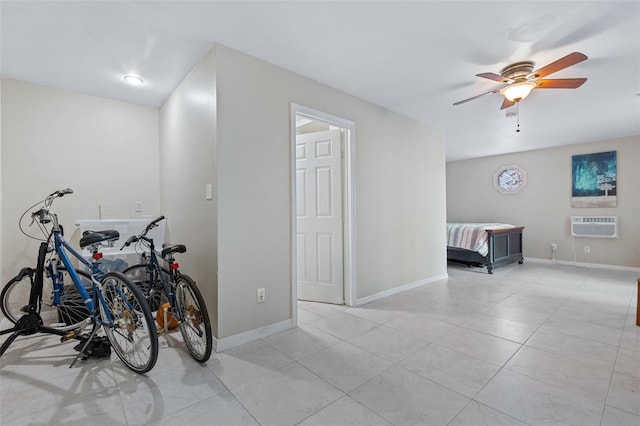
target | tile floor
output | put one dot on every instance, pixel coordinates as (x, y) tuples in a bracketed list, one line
[(532, 344)]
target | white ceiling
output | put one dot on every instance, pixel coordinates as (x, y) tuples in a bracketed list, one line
[(413, 57)]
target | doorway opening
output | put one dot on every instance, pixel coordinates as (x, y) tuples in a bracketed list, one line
[(322, 208)]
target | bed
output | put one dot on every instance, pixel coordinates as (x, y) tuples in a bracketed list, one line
[(484, 244)]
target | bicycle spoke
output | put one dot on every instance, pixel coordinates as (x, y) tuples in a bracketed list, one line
[(131, 332), (195, 326)]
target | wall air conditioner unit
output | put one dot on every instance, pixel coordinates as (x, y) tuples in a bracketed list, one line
[(594, 226)]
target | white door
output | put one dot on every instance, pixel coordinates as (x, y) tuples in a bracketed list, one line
[(319, 217)]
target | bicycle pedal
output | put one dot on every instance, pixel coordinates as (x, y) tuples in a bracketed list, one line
[(68, 336), (71, 335)]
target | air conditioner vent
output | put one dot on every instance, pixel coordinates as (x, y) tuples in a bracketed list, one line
[(594, 226)]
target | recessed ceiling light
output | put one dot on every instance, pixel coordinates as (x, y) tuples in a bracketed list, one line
[(134, 80)]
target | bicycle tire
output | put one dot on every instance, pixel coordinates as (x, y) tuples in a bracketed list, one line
[(153, 292), (70, 311), (15, 296), (132, 331), (195, 325)]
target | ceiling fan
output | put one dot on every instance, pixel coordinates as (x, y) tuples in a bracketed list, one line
[(519, 79)]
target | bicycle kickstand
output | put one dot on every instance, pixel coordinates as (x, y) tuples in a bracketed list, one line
[(81, 352)]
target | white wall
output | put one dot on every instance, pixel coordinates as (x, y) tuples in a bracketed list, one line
[(543, 206), (240, 140), (400, 191), (188, 163), (106, 150)]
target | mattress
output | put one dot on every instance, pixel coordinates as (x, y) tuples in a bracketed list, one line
[(472, 236)]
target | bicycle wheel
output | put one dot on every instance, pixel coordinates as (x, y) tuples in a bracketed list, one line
[(131, 330), (195, 325), (70, 311), (153, 292)]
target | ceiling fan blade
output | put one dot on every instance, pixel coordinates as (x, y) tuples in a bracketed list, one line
[(562, 63), (495, 90), (507, 103), (560, 83), (494, 77)]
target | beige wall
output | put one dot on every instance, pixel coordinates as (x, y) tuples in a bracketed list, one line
[(105, 150), (543, 206), (188, 164), (400, 195), (242, 144)]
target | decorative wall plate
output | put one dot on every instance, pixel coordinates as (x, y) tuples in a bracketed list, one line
[(510, 179)]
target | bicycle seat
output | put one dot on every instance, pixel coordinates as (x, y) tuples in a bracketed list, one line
[(172, 248), (94, 237), (110, 232)]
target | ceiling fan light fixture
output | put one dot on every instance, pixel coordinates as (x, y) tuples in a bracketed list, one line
[(518, 91)]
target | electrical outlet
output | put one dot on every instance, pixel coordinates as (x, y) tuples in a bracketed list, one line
[(260, 297), (138, 206), (208, 191), (587, 249), (554, 246)]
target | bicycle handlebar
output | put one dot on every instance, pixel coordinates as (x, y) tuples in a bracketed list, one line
[(135, 238), (44, 214), (132, 239), (62, 192), (152, 225)]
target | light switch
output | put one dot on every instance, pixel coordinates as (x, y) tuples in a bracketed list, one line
[(208, 191)]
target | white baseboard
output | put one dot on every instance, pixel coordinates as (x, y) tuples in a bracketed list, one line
[(220, 345), (236, 340), (395, 290), (582, 264)]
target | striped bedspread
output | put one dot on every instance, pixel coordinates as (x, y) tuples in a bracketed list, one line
[(472, 236)]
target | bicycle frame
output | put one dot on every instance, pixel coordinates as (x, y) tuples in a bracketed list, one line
[(155, 268), (62, 247)]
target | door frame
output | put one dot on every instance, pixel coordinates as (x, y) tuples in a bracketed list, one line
[(348, 198)]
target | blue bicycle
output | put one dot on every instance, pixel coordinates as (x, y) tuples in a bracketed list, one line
[(106, 300)]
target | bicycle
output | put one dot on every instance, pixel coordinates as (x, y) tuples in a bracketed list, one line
[(109, 301), (162, 286)]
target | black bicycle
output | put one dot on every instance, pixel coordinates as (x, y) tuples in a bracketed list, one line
[(173, 295), (105, 300)]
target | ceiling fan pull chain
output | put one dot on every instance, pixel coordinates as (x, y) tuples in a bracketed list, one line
[(518, 116)]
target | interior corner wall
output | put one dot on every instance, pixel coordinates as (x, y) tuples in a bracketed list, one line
[(543, 206), (187, 165), (105, 150), (400, 191)]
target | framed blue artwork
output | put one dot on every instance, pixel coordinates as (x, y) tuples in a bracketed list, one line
[(594, 180)]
